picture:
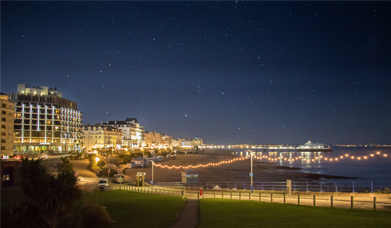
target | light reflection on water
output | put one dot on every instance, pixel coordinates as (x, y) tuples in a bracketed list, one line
[(377, 168)]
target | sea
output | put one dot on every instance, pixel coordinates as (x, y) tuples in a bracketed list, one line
[(376, 168)]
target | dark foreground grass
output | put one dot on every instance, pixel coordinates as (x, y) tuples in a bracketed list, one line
[(229, 213), (10, 199), (131, 209)]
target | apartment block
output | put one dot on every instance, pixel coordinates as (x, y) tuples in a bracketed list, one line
[(133, 132), (7, 112), (101, 137), (45, 121)]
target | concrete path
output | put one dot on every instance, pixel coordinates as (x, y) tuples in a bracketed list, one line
[(188, 217)]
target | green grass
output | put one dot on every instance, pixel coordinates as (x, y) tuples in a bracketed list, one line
[(10, 198), (229, 213), (131, 209)]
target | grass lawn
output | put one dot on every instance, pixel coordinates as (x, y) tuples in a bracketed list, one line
[(229, 213), (10, 198), (129, 209), (132, 209)]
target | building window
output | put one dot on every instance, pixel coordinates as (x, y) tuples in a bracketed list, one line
[(6, 177)]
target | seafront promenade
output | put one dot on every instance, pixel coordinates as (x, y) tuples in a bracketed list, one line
[(366, 201)]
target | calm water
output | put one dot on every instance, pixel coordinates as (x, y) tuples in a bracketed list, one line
[(377, 168)]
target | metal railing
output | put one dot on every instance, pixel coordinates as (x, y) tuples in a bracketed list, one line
[(305, 199), (148, 190), (296, 186)]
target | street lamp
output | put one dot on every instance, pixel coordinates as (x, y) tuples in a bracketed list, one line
[(152, 174), (251, 174)]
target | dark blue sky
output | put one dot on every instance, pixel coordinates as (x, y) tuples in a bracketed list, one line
[(229, 72)]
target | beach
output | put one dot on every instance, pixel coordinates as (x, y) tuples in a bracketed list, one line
[(237, 171)]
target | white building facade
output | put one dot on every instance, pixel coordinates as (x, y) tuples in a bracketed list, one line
[(132, 131), (44, 121)]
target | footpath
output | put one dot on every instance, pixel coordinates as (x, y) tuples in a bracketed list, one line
[(189, 215)]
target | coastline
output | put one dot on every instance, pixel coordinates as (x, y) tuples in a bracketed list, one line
[(237, 171)]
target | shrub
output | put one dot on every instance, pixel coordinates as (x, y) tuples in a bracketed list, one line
[(114, 161), (113, 169), (135, 155), (101, 163), (126, 159), (93, 215)]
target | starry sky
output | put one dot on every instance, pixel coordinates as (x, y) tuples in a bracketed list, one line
[(229, 72)]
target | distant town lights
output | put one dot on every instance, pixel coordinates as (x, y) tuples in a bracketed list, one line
[(262, 157)]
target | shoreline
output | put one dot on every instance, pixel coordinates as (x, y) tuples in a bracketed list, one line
[(316, 176), (237, 171)]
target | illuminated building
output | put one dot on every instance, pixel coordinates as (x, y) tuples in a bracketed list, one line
[(44, 121), (7, 111), (167, 140), (177, 142), (133, 132), (153, 138), (193, 142), (100, 136)]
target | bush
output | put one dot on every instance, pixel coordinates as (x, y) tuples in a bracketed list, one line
[(125, 159), (135, 155), (101, 163), (93, 215), (113, 170), (114, 161)]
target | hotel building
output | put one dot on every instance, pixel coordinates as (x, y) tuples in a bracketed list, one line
[(154, 139), (193, 142), (45, 121), (101, 137), (167, 140), (7, 111), (133, 132)]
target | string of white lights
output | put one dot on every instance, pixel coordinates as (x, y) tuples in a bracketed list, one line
[(276, 159)]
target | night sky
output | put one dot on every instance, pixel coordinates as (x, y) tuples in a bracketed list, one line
[(229, 72)]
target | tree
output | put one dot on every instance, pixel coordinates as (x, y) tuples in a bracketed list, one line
[(101, 163), (48, 196), (66, 164), (31, 174)]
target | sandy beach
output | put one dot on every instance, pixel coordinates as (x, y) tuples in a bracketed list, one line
[(237, 171)]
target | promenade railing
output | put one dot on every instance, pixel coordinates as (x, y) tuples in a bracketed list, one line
[(299, 186), (320, 200), (147, 190)]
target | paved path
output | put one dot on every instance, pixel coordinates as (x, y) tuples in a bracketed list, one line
[(189, 215)]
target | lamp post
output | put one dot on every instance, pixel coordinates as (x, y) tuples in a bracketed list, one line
[(152, 174), (251, 174)]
